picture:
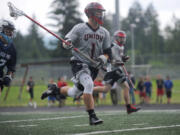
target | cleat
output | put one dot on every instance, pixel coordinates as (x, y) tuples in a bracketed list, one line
[(46, 94), (94, 120), (52, 90), (132, 109)]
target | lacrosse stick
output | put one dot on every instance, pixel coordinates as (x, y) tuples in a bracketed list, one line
[(14, 12), (128, 77)]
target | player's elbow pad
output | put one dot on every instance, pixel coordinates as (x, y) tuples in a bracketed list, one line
[(108, 52)]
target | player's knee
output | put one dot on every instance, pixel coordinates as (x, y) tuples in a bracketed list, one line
[(88, 87)]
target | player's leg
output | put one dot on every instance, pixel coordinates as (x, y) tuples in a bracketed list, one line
[(130, 108), (87, 82)]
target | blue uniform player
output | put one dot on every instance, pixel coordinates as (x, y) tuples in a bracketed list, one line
[(7, 53)]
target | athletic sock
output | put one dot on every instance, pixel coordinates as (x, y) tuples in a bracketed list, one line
[(91, 112), (128, 106)]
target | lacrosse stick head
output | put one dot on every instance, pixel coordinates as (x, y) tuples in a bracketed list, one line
[(14, 12)]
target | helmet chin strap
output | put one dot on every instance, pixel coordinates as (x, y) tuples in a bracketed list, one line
[(119, 43), (96, 19)]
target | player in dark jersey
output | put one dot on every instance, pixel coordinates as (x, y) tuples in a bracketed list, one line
[(7, 53), (93, 40)]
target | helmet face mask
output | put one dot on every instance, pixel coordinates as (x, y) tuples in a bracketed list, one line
[(8, 32), (7, 28), (120, 37), (95, 11)]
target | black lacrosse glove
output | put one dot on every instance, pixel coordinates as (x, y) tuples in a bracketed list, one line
[(7, 80), (125, 58)]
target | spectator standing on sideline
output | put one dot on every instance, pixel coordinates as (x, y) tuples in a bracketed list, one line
[(131, 90), (168, 84), (148, 89), (30, 89), (141, 88), (62, 83), (51, 98), (160, 89)]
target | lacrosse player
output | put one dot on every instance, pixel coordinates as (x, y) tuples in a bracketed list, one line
[(117, 74), (7, 53), (93, 40)]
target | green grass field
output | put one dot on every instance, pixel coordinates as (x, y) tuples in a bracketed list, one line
[(76, 123), (12, 99)]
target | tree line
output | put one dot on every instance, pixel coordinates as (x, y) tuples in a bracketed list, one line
[(148, 38)]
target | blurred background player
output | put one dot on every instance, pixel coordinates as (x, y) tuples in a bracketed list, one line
[(160, 89), (7, 53), (117, 74), (168, 84), (93, 40), (30, 89)]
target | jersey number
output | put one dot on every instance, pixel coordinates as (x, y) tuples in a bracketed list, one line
[(93, 49)]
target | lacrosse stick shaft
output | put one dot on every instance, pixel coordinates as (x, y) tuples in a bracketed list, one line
[(46, 29), (128, 76)]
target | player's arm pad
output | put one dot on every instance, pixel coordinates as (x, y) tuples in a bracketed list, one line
[(108, 52)]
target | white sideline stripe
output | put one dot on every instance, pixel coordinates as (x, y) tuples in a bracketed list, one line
[(55, 118), (26, 126), (82, 125), (139, 124), (124, 130)]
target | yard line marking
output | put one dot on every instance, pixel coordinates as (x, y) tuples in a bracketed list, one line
[(124, 130), (26, 126), (139, 124), (55, 118), (43, 119), (82, 125)]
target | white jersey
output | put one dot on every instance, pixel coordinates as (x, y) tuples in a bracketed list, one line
[(89, 41), (117, 52)]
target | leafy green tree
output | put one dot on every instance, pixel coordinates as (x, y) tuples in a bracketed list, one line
[(65, 13), (31, 46)]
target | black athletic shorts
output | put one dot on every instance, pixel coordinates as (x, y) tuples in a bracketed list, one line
[(77, 66), (168, 94), (31, 93)]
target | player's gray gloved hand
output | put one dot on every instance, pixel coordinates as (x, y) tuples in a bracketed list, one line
[(68, 44), (102, 60)]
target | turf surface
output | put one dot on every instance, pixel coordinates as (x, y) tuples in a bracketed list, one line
[(147, 122)]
